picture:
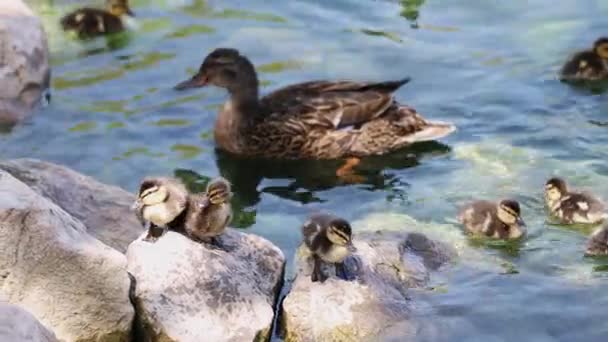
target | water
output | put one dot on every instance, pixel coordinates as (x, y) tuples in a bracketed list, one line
[(487, 66)]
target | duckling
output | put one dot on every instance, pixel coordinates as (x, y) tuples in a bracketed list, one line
[(209, 213), (572, 207), (329, 239), (92, 22), (588, 65), (499, 221), (598, 242), (311, 120), (160, 201)]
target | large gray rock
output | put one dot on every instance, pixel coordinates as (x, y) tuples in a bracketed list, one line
[(50, 265), (187, 291), (104, 209), (24, 61), (372, 306), (18, 325)]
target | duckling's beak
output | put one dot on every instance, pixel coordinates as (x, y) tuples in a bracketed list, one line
[(351, 248), (520, 222), (196, 81), (136, 205), (130, 12)]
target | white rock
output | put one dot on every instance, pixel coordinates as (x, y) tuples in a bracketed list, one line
[(51, 266), (24, 61), (104, 209), (187, 291), (371, 306), (18, 325)]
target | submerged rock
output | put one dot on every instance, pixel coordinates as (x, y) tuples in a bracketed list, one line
[(24, 61), (190, 291), (104, 209), (51, 266), (19, 325), (375, 302)]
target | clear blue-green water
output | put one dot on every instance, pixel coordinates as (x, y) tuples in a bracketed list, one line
[(487, 66)]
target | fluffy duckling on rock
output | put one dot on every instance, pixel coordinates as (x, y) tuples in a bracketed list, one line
[(598, 242), (572, 207), (496, 220), (329, 239), (209, 213), (588, 65), (159, 202), (92, 22)]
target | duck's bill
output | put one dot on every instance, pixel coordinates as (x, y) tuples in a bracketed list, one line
[(136, 205), (130, 13), (352, 248), (521, 222), (195, 82)]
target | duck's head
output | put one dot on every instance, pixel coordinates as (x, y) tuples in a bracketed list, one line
[(555, 188), (509, 213), (600, 47), (225, 68), (219, 191), (119, 7), (339, 233), (151, 192)]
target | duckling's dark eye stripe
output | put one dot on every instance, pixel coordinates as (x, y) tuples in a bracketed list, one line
[(340, 234), (509, 211)]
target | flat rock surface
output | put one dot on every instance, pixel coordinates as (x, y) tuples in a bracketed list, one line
[(190, 291), (18, 325), (374, 301), (104, 209), (50, 266)]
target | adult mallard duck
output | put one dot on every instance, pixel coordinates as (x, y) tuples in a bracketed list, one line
[(93, 22), (588, 65), (312, 120)]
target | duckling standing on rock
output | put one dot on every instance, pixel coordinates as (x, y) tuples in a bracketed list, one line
[(328, 238), (210, 213), (92, 22), (572, 207), (159, 202), (312, 120), (598, 242), (588, 65), (500, 221)]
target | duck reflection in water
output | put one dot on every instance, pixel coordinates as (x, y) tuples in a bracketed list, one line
[(301, 180)]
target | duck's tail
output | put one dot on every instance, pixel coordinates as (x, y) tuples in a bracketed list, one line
[(432, 131)]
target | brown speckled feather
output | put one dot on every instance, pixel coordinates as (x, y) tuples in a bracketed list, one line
[(585, 65), (480, 217), (92, 22)]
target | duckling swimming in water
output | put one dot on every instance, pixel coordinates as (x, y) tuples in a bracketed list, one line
[(499, 221), (209, 213), (92, 22), (598, 242), (572, 207), (588, 65), (329, 238), (159, 202)]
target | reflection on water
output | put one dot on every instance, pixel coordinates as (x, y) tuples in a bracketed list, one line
[(488, 66)]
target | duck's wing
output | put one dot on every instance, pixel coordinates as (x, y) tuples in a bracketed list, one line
[(331, 105)]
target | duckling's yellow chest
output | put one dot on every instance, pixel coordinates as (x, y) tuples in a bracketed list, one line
[(335, 254), (226, 132)]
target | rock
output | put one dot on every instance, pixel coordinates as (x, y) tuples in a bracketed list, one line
[(51, 266), (188, 291), (24, 61), (104, 209), (19, 325), (375, 303)]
